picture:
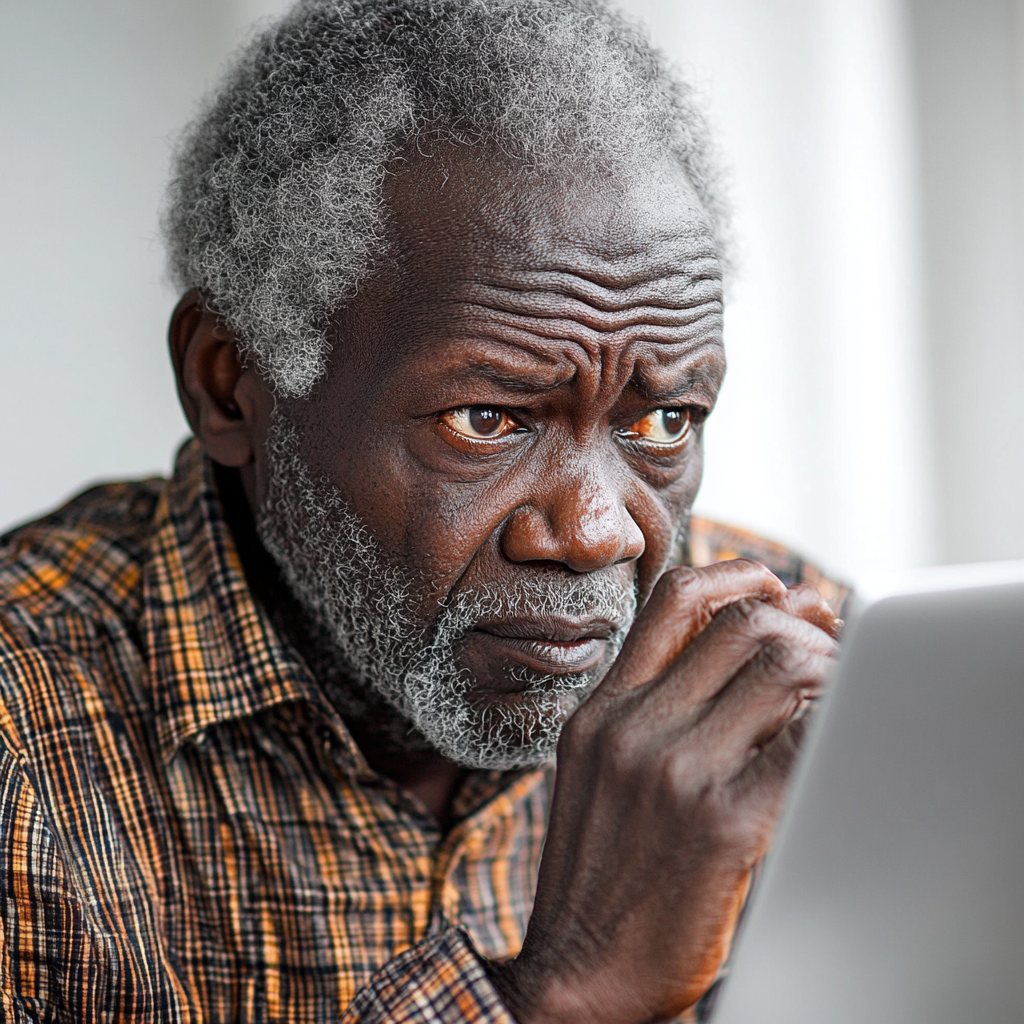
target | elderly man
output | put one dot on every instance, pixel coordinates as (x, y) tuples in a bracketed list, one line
[(278, 734)]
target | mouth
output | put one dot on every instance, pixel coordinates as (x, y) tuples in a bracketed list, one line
[(552, 647)]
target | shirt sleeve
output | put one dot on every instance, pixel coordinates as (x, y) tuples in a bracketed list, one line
[(44, 940), (441, 979)]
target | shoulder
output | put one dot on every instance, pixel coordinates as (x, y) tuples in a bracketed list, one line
[(86, 555), (70, 598), (709, 541)]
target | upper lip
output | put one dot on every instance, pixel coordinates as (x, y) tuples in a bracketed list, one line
[(553, 631)]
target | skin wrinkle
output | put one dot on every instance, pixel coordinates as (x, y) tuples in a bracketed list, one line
[(586, 375), (602, 321), (519, 186), (579, 349), (555, 234)]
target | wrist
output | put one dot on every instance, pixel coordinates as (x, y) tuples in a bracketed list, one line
[(535, 998)]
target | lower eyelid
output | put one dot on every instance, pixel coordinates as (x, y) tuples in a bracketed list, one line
[(468, 439), (656, 446)]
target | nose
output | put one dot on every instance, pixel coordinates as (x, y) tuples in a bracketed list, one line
[(582, 523)]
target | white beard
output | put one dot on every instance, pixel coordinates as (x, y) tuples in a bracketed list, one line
[(337, 571)]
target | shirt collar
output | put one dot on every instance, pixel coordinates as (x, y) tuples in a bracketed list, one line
[(212, 652)]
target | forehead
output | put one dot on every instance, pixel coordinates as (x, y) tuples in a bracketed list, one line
[(536, 277), (483, 213)]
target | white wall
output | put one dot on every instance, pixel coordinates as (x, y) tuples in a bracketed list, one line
[(841, 428), (971, 87), (88, 96), (819, 438)]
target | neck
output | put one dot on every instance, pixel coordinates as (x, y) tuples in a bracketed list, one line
[(389, 742)]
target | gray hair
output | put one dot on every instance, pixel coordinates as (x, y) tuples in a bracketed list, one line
[(276, 210)]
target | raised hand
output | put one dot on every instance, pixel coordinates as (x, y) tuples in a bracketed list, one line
[(670, 779)]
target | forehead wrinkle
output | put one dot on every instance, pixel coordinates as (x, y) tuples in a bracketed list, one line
[(650, 273), (520, 328), (657, 379), (615, 265), (670, 287), (595, 291), (561, 307), (653, 378), (570, 348), (656, 370)]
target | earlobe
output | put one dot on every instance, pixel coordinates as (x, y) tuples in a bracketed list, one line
[(220, 401)]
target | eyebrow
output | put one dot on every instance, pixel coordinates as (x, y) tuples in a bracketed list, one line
[(509, 377), (703, 378), (523, 370), (517, 381)]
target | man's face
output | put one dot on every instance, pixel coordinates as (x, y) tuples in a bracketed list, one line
[(514, 408)]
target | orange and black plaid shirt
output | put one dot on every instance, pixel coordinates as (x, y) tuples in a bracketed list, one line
[(187, 830)]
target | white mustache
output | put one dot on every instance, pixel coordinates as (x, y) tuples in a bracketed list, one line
[(597, 597)]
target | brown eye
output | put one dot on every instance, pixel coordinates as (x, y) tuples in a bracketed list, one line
[(660, 427), (480, 422)]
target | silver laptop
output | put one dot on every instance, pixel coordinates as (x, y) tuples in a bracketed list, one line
[(895, 891)]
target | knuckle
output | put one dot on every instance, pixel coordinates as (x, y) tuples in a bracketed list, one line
[(786, 659), (679, 580), (737, 614), (674, 776), (758, 569), (751, 565), (752, 616)]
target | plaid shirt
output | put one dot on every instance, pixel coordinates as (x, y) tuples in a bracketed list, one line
[(187, 830)]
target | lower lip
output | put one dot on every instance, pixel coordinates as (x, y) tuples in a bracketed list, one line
[(547, 655)]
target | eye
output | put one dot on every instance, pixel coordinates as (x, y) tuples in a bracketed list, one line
[(664, 427), (480, 422)]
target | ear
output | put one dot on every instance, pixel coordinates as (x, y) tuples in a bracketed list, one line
[(225, 401)]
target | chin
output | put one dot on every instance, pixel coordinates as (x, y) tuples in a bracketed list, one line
[(515, 729)]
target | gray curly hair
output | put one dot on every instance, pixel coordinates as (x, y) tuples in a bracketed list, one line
[(276, 210)]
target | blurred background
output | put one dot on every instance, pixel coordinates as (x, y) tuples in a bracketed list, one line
[(873, 416)]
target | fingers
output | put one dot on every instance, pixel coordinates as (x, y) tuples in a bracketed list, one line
[(760, 786), (729, 693), (806, 602), (683, 603), (760, 703), (738, 635)]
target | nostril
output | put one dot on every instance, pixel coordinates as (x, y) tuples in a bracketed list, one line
[(527, 537), (582, 539)]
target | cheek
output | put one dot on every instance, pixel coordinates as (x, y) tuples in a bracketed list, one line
[(423, 519), (661, 514), (449, 530), (434, 527), (452, 526)]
